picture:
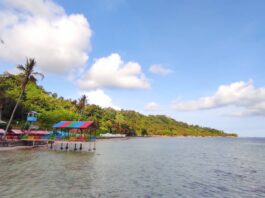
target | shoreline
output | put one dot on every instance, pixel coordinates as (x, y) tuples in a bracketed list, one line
[(20, 147)]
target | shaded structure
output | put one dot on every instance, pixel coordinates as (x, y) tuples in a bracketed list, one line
[(78, 128), (74, 135)]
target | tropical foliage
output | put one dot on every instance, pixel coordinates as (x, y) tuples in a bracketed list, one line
[(27, 74), (52, 109)]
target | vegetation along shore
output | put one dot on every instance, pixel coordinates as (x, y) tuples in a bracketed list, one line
[(52, 109)]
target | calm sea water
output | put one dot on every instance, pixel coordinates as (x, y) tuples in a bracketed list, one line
[(140, 167)]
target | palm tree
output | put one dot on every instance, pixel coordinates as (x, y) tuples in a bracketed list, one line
[(28, 74), (81, 105)]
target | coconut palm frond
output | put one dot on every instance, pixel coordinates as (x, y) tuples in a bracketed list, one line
[(30, 65), (21, 68), (30, 61)]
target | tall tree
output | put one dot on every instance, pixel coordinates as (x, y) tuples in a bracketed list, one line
[(28, 73), (81, 105)]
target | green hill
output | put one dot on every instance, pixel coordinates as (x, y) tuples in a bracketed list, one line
[(52, 109)]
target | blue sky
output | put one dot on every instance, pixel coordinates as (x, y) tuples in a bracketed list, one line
[(207, 56)]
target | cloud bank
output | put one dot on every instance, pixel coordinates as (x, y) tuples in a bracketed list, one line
[(41, 29), (112, 72), (243, 95)]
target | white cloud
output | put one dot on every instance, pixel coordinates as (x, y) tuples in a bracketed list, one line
[(98, 97), (241, 94), (41, 29), (160, 69), (152, 106), (112, 72)]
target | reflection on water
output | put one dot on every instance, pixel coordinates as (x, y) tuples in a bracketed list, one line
[(141, 167)]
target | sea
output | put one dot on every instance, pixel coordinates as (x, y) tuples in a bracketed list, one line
[(139, 167)]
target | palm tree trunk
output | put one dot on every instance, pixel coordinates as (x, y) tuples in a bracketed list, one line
[(13, 113)]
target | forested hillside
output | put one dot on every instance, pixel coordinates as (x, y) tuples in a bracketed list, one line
[(52, 109)]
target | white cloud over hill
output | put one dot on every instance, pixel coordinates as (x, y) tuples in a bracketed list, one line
[(99, 97), (243, 95), (112, 72), (41, 29), (152, 106)]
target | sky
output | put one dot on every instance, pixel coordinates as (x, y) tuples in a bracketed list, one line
[(200, 62)]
